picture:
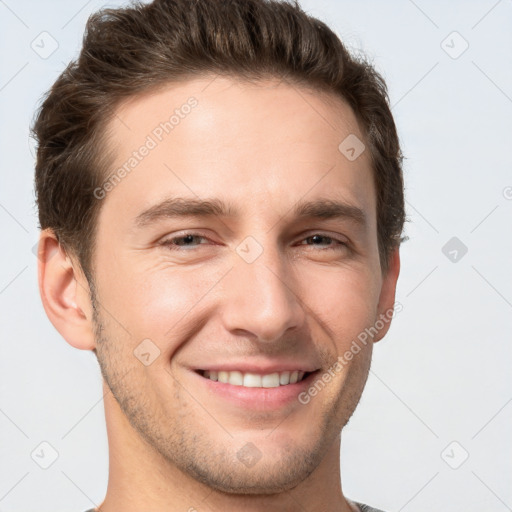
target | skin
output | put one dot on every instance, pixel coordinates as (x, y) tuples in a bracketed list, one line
[(263, 147)]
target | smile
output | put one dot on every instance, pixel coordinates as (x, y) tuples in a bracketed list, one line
[(255, 380)]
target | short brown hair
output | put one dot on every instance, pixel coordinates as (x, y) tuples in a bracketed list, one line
[(127, 51)]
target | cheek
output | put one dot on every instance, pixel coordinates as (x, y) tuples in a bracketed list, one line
[(164, 302), (344, 301), (158, 302)]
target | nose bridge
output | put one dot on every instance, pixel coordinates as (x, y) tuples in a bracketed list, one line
[(260, 296)]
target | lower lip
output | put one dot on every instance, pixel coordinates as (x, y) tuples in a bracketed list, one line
[(260, 399)]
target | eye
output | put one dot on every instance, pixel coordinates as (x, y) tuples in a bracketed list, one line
[(191, 240), (185, 240), (318, 237)]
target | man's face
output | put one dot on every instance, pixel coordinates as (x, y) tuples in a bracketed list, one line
[(258, 290)]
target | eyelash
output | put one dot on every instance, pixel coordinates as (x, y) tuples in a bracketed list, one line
[(172, 246)]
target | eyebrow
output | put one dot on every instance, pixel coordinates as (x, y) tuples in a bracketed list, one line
[(179, 207)]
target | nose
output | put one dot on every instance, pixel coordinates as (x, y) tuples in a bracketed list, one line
[(261, 297)]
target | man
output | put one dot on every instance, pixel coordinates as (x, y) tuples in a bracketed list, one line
[(220, 194)]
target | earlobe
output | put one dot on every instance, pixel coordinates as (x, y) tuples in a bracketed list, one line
[(65, 293), (387, 296)]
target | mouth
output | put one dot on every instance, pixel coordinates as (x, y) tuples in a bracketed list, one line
[(255, 392), (255, 380)]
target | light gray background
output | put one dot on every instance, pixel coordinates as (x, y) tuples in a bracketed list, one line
[(442, 374)]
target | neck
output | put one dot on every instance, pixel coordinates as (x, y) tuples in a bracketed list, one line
[(140, 478)]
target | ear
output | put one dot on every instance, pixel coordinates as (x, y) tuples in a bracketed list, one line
[(65, 293), (386, 305)]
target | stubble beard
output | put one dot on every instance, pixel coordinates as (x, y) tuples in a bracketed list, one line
[(177, 444)]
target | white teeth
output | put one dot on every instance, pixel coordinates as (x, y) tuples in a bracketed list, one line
[(254, 380), (236, 378), (270, 381), (284, 378)]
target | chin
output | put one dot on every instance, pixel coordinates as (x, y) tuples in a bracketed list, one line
[(267, 479)]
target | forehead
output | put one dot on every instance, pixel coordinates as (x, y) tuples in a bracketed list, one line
[(219, 136), (226, 105)]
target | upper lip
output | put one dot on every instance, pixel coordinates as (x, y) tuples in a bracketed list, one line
[(245, 367)]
